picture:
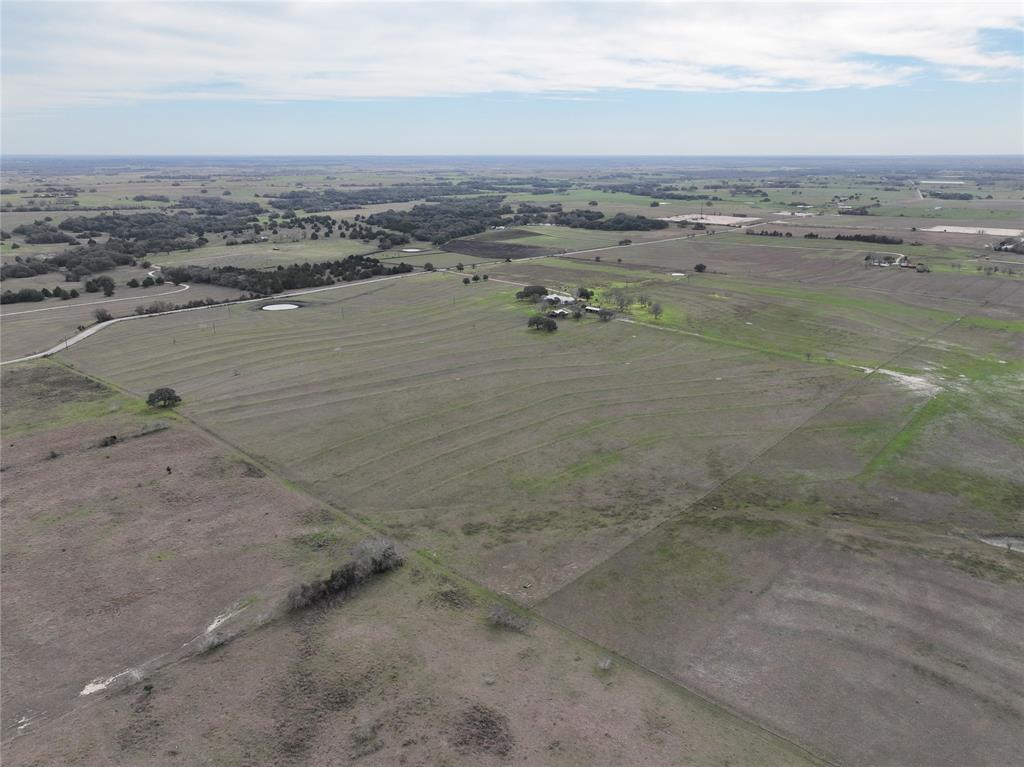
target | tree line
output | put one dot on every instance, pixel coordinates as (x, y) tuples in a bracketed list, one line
[(293, 277)]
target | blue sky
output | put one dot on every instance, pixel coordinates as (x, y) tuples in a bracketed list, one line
[(497, 78)]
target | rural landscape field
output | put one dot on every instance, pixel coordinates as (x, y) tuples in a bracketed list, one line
[(569, 384), (761, 473)]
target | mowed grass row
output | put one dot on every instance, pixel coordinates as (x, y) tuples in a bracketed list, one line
[(737, 256), (428, 408)]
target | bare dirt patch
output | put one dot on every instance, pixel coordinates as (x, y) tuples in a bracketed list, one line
[(388, 678), (480, 730), (132, 548), (497, 249)]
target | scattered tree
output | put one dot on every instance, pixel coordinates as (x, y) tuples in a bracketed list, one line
[(656, 310), (540, 322), (163, 397), (700, 268)]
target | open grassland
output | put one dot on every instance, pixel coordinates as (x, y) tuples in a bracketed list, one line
[(706, 490), (147, 571), (429, 408), (261, 255), (561, 238), (795, 490), (743, 258)]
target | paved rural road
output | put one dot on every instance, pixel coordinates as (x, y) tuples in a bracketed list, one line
[(93, 303), (282, 296)]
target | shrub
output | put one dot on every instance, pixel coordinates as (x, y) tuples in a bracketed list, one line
[(502, 617), (102, 315), (700, 268), (370, 557), (465, 280)]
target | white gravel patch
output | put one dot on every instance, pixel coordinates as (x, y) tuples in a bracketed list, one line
[(976, 230), (914, 383), (1011, 542), (717, 220)]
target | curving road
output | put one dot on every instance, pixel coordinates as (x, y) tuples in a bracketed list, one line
[(90, 331)]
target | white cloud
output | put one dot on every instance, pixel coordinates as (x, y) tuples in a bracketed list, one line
[(58, 54)]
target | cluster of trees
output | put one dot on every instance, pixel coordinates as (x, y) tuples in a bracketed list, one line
[(151, 198), (540, 322), (146, 282), (440, 222), (438, 190), (951, 195), (773, 233), (664, 191), (624, 299), (863, 210), (878, 239), (595, 219), (532, 293), (32, 295), (155, 231), (80, 262), (324, 226), (295, 276), (43, 233), (103, 283), (166, 306), (527, 213), (28, 267), (25, 294), (345, 199)]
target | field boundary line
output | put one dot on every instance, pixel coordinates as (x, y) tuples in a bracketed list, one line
[(757, 456), (360, 525)]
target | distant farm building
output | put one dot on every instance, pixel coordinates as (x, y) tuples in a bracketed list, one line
[(559, 299)]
